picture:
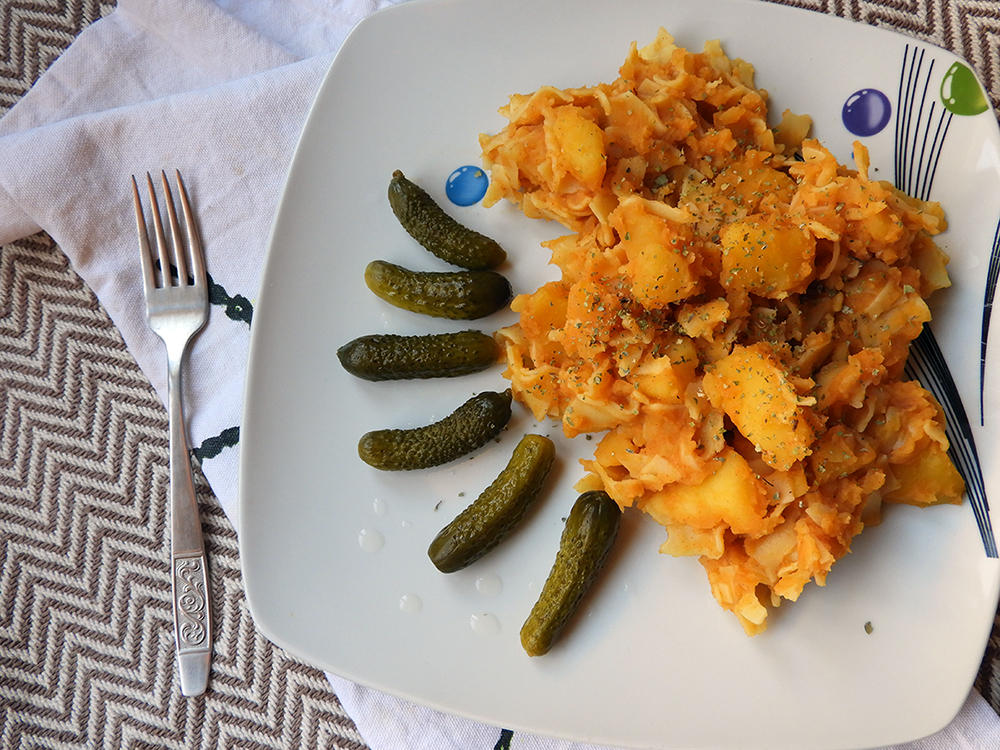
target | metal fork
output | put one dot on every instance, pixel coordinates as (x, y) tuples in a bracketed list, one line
[(177, 308)]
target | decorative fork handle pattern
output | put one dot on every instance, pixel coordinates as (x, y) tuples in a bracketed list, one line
[(191, 615)]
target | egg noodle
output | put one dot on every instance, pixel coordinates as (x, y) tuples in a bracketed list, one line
[(734, 312)]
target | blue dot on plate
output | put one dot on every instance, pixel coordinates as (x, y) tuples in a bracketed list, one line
[(866, 112), (467, 185)]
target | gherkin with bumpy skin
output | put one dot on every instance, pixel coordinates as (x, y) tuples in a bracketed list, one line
[(494, 514), (456, 295), (586, 542), (469, 427), (441, 234), (388, 356)]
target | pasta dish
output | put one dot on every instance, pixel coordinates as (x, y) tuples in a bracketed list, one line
[(733, 313)]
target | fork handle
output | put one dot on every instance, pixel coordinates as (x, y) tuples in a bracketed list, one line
[(192, 613)]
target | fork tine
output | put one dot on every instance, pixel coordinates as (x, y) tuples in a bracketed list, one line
[(148, 277), (161, 241), (180, 256), (197, 257)]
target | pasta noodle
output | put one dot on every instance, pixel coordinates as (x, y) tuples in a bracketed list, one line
[(734, 312)]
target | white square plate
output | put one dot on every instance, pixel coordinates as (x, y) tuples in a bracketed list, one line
[(334, 552)]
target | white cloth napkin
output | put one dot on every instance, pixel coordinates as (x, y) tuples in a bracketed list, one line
[(219, 90)]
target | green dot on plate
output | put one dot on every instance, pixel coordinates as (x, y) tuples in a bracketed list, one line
[(961, 92)]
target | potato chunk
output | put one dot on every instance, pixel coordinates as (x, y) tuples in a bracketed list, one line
[(579, 145), (930, 478), (659, 264), (752, 388), (767, 257), (732, 496)]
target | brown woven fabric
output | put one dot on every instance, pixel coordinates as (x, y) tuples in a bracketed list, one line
[(86, 650)]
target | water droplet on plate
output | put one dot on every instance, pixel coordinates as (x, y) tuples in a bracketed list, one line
[(466, 185), (380, 507), (485, 624), (489, 584), (410, 603), (371, 540)]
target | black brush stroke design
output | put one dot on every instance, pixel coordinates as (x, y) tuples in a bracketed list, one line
[(920, 133), (926, 365), (213, 446), (991, 290), (237, 308)]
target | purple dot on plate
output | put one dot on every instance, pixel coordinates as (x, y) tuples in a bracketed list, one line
[(467, 185), (866, 112)]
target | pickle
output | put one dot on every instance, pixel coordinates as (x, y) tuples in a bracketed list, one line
[(470, 426), (437, 231), (587, 539), (440, 355), (457, 295), (487, 521)]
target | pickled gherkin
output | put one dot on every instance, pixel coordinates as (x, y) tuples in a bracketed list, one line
[(441, 234), (587, 539), (457, 295), (441, 355), (493, 515), (469, 427)]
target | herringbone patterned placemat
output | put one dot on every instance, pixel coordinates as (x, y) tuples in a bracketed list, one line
[(86, 649)]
